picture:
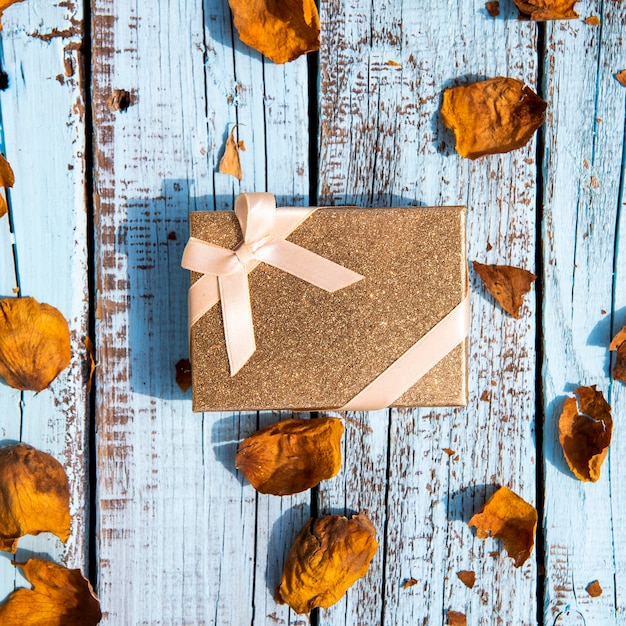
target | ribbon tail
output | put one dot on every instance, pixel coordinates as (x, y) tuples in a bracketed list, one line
[(403, 373), (237, 314), (307, 265)]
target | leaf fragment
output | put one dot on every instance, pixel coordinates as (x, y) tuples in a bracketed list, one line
[(493, 8), (592, 20), (282, 31), (594, 589), (183, 374), (7, 179), (543, 10), (619, 344), (585, 429), (456, 619), (621, 77), (327, 557), (91, 361), (34, 343), (509, 517), (291, 456), (34, 496), (492, 116), (467, 577), (507, 284), (59, 597), (230, 163), (408, 583)]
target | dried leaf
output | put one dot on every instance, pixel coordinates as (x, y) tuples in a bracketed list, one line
[(619, 344), (592, 20), (506, 284), (34, 343), (291, 456), (7, 179), (230, 163), (34, 496), (59, 597), (183, 374), (282, 30), (449, 451), (456, 619), (542, 10), (91, 361), (409, 582), (327, 557), (594, 589), (492, 116), (621, 77), (585, 429), (467, 577), (493, 8), (508, 517)]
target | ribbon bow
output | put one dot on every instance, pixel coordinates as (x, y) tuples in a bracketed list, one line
[(225, 272)]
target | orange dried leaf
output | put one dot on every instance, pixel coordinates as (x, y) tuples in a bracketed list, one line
[(59, 597), (183, 374), (467, 577), (592, 20), (585, 429), (91, 361), (34, 343), (327, 557), (7, 178), (493, 8), (449, 451), (619, 344), (409, 582), (542, 10), (281, 30), (621, 77), (456, 619), (230, 163), (506, 284), (492, 116), (291, 456), (594, 589), (508, 517), (34, 496)]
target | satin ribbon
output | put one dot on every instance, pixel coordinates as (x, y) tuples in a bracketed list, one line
[(421, 357), (225, 272)]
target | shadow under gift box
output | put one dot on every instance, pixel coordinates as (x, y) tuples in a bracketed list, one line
[(317, 349)]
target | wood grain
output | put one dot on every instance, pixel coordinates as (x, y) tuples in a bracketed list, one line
[(584, 161), (183, 538), (382, 144), (44, 137)]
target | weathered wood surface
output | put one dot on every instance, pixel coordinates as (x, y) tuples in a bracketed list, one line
[(43, 137), (181, 537), (583, 306)]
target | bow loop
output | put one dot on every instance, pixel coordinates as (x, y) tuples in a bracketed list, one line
[(264, 229)]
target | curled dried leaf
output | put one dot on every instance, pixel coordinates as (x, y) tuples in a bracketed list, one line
[(492, 116), (183, 374), (34, 343), (456, 619), (507, 284), (543, 10), (508, 517), (291, 456), (34, 495), (230, 163), (585, 429), (467, 577), (594, 589), (282, 31), (619, 344), (327, 557), (59, 597)]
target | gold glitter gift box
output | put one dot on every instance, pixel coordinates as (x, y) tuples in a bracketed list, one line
[(316, 349)]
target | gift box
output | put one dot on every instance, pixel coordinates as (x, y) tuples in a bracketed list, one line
[(327, 308)]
